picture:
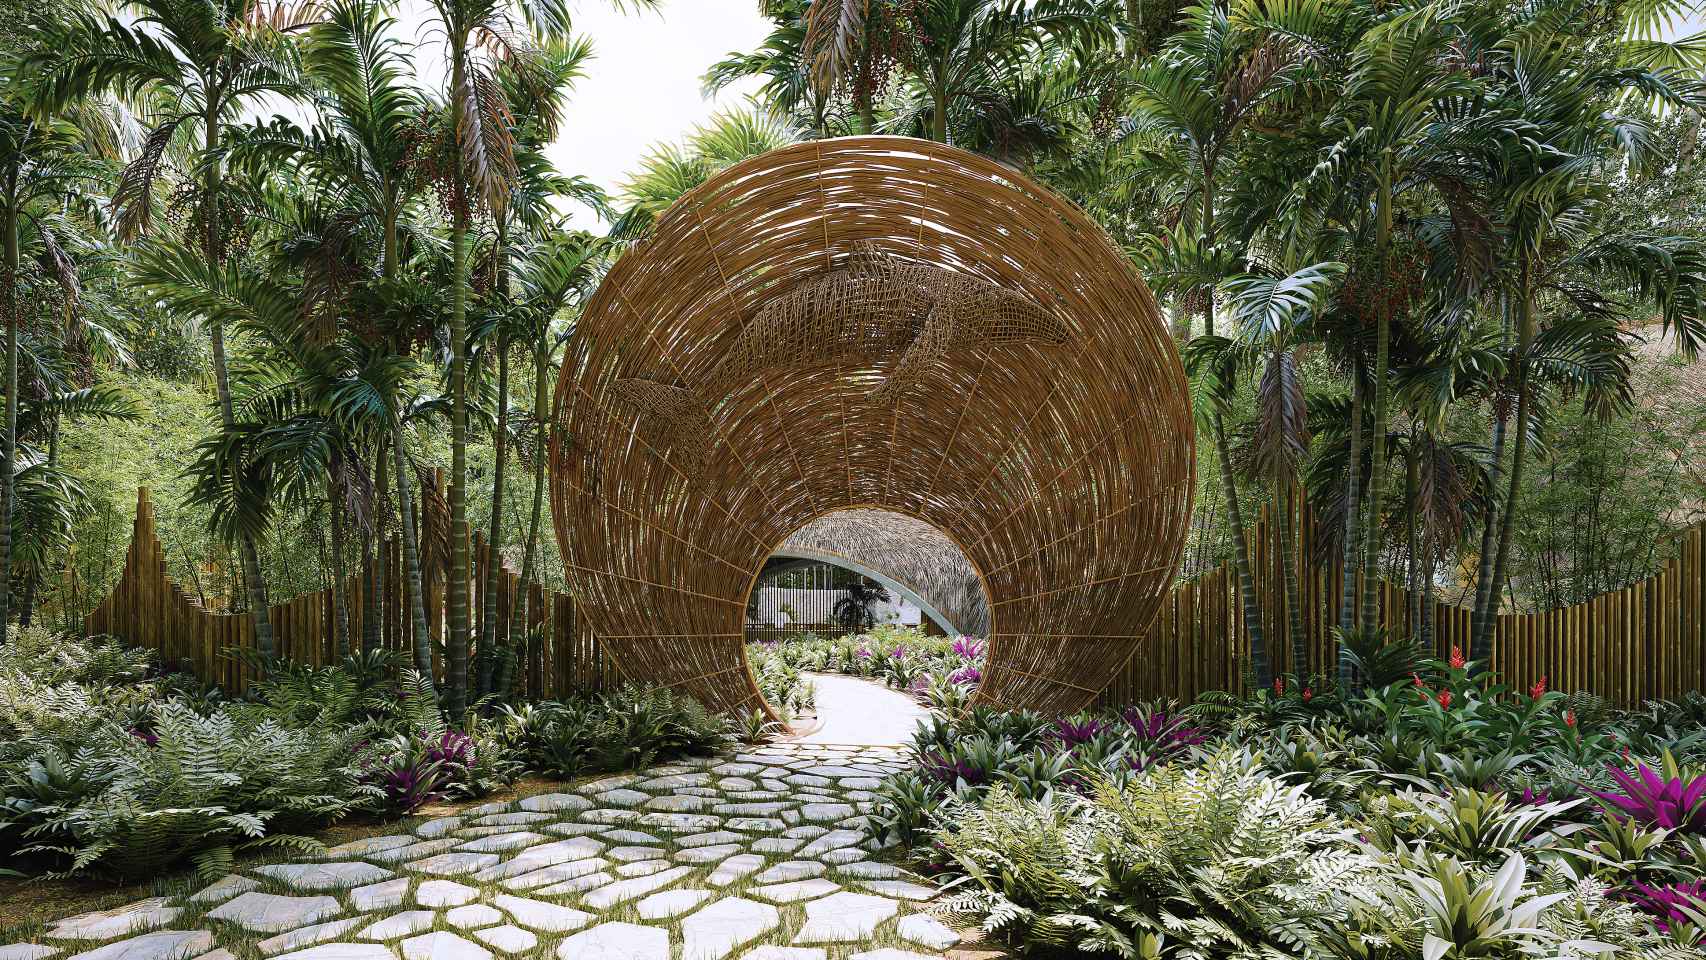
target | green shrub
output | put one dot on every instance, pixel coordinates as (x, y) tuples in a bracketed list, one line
[(627, 728)]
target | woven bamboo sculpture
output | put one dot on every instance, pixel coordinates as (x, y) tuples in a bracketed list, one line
[(873, 322)]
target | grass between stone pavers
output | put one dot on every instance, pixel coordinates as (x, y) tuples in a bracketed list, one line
[(243, 944)]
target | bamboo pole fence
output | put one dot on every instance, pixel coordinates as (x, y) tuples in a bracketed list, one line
[(1644, 642), (557, 656)]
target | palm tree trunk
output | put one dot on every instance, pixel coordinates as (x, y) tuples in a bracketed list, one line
[(541, 414), (340, 578), (939, 122), (8, 457), (1241, 558), (372, 558), (1412, 569), (1482, 646), (1484, 592), (211, 249), (1293, 592), (1377, 442), (500, 448), (456, 634), (412, 555), (1350, 546)]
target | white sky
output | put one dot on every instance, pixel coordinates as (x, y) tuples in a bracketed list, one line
[(643, 85)]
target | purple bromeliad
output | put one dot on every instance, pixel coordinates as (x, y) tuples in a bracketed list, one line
[(1655, 800)]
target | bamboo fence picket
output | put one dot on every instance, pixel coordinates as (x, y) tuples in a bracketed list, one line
[(147, 609)]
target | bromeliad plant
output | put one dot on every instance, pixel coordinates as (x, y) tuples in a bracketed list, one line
[(1668, 798)]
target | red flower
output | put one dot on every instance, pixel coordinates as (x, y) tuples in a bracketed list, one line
[(1418, 680), (1445, 699), (1308, 694), (1456, 658), (1279, 686), (1539, 689), (1569, 718)]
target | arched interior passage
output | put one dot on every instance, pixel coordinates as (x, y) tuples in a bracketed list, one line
[(1004, 377), (906, 555)]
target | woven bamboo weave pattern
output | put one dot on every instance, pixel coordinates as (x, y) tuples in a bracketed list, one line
[(873, 322)]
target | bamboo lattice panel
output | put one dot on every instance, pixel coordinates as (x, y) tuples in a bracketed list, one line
[(873, 322)]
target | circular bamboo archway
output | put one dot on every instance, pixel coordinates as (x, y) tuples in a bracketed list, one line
[(873, 322)]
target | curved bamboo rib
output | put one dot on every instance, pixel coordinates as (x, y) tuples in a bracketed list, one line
[(873, 322)]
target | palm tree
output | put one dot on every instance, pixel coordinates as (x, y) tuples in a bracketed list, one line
[(790, 88), (954, 51), (858, 609), (669, 171), (198, 66), (478, 36), (552, 276), (40, 162), (537, 102), (1268, 313)]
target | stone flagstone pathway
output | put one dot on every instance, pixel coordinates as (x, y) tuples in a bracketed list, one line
[(764, 855)]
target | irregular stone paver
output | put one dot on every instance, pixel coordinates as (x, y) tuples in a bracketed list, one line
[(670, 903), (508, 938), (795, 891), (224, 889), (734, 868), (414, 851), (503, 841), (642, 868), (713, 838), (399, 925), (363, 847), (629, 854), (577, 885), (438, 828), (827, 811), (616, 941), (324, 876), (555, 873), (25, 951), (308, 936), (454, 864), (271, 913), (622, 891), (540, 915), (707, 854), (159, 945), (444, 893), (890, 953), (473, 915), (714, 931), (380, 896), (772, 952), (443, 945), (555, 803), (844, 918), (791, 870), (926, 931), (870, 870), (343, 951), (511, 819), (106, 924)]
